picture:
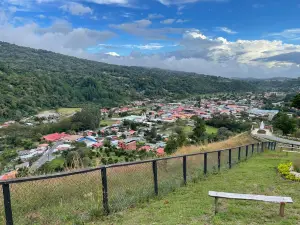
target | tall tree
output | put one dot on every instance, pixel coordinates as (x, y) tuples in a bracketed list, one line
[(284, 123), (296, 101)]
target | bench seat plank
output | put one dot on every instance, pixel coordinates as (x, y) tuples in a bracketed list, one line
[(276, 199)]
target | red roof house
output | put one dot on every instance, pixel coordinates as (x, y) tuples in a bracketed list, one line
[(54, 137), (147, 148)]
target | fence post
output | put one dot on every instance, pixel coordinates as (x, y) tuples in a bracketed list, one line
[(239, 154), (229, 159), (184, 169), (7, 204), (104, 190), (247, 151), (154, 169), (262, 147), (257, 148), (219, 160), (252, 148), (205, 163)]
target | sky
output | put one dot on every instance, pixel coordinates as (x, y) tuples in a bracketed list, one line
[(230, 38)]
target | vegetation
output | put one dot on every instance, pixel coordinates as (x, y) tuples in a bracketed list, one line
[(284, 123), (192, 205), (296, 101), (32, 80), (232, 142), (284, 170), (229, 122)]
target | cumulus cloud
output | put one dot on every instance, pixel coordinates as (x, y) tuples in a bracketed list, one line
[(76, 9), (60, 37)]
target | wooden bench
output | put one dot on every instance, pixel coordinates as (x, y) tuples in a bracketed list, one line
[(289, 149), (264, 198)]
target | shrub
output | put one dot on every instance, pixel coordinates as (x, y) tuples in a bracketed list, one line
[(284, 170)]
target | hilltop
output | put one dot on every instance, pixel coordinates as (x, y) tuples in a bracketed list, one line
[(32, 80)]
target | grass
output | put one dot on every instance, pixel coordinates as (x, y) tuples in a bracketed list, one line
[(107, 122), (238, 140), (211, 130), (67, 111), (192, 205)]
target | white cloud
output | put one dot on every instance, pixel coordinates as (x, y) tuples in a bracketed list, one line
[(110, 2), (112, 54), (292, 34), (167, 21), (76, 9), (181, 2), (60, 37), (142, 28), (226, 30), (150, 46), (193, 34)]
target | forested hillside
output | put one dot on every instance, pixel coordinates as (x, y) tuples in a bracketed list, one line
[(36, 79)]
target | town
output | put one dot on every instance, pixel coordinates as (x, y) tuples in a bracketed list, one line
[(133, 132)]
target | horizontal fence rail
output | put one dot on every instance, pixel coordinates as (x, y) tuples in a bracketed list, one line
[(84, 194)]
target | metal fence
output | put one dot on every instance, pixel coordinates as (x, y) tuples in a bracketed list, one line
[(82, 196)]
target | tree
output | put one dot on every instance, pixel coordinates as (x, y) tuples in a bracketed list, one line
[(87, 119), (199, 129), (181, 136), (171, 145), (296, 101), (284, 123)]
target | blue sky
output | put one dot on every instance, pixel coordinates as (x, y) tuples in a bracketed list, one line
[(248, 38)]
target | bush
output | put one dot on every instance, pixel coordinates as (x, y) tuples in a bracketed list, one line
[(284, 170)]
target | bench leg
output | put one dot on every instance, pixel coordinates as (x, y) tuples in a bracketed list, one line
[(281, 212), (216, 205)]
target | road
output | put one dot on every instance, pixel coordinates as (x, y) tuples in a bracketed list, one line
[(272, 137), (47, 156), (281, 140)]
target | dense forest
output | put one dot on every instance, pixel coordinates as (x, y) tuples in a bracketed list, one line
[(32, 80)]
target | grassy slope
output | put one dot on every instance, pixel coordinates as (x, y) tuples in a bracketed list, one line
[(191, 204), (238, 140)]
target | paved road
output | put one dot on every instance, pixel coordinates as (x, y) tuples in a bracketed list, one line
[(281, 140), (47, 156)]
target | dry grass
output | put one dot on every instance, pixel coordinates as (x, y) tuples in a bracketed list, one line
[(241, 139)]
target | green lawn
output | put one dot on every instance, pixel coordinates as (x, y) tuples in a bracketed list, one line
[(211, 130), (192, 205), (107, 122), (68, 111)]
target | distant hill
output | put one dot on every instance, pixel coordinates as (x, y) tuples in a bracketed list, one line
[(36, 79)]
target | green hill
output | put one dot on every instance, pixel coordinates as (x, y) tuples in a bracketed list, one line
[(36, 79)]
